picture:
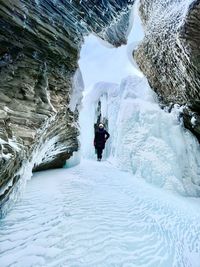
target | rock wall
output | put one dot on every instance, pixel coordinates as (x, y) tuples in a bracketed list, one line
[(169, 55), (40, 42)]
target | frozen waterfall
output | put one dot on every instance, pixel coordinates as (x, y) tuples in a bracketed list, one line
[(145, 140)]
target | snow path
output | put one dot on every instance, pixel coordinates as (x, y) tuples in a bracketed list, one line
[(95, 215)]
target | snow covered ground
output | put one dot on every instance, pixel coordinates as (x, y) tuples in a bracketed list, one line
[(95, 215)]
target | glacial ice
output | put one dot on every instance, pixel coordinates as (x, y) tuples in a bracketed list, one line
[(77, 90)]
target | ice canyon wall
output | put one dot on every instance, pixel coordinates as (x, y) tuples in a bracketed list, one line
[(40, 42)]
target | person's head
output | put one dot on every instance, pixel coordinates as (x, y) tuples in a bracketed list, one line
[(101, 126)]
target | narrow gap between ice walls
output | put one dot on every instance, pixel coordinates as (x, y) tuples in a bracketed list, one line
[(103, 67), (146, 140)]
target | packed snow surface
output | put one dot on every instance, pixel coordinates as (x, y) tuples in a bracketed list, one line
[(96, 215)]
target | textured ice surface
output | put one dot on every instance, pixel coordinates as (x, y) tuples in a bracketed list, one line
[(153, 143), (168, 54), (77, 89), (95, 215)]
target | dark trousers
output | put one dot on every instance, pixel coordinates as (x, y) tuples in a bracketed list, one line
[(99, 152)]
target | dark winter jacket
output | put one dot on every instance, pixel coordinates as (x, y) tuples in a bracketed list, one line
[(101, 136)]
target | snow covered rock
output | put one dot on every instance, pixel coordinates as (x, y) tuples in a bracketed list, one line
[(169, 54)]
